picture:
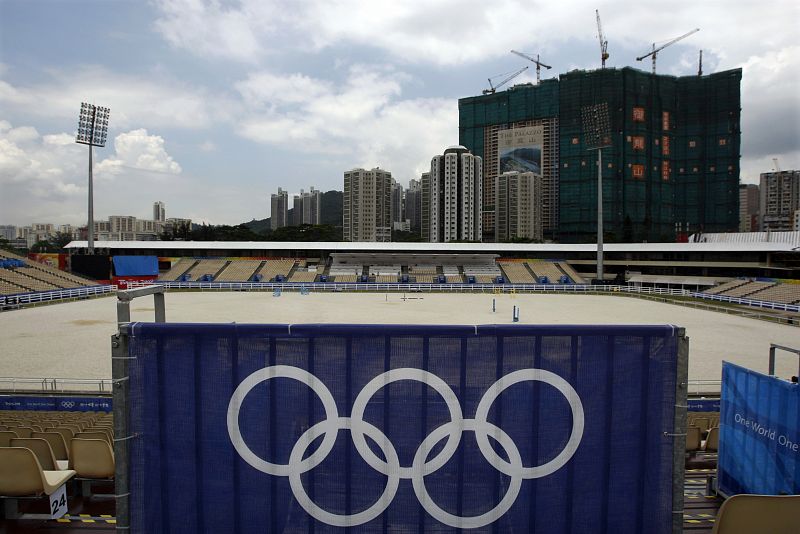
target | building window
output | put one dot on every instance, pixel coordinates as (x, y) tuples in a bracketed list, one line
[(723, 142), (637, 171), (665, 120), (692, 144), (574, 140), (638, 142), (638, 114), (665, 170), (664, 145)]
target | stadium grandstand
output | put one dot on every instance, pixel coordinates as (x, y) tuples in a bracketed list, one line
[(21, 275)]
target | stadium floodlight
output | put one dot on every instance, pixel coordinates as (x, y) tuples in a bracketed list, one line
[(92, 131), (597, 135)]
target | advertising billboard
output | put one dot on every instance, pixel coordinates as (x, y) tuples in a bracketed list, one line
[(520, 149)]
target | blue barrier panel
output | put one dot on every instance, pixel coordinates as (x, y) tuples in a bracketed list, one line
[(304, 428), (759, 443), (58, 403)]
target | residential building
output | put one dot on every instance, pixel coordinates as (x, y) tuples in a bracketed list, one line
[(8, 232), (518, 206), (779, 200), (397, 203), (159, 212), (279, 209), (367, 205), (455, 188), (748, 207), (413, 205)]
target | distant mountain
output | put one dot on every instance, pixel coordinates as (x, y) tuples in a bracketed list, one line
[(332, 208)]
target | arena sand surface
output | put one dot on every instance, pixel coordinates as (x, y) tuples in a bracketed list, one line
[(72, 340)]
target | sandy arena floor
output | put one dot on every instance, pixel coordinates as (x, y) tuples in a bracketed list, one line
[(72, 340)]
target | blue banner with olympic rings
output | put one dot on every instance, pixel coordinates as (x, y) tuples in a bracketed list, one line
[(386, 428)]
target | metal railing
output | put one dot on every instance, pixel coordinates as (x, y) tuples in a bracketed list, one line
[(55, 385), (19, 299), (467, 288)]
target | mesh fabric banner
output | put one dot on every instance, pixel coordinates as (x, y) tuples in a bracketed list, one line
[(271, 428), (759, 442)]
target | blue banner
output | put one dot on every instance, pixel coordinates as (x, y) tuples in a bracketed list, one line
[(759, 443), (59, 403), (309, 428), (703, 405)]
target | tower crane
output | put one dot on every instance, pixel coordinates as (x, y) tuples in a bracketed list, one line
[(777, 167), (700, 65), (509, 76), (655, 50), (539, 64), (603, 41)]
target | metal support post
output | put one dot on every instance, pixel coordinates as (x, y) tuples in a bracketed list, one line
[(120, 373), (773, 348), (91, 203), (600, 214), (679, 431)]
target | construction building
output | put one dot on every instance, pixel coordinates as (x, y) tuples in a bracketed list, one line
[(779, 200), (518, 207), (671, 167), (452, 196), (367, 205)]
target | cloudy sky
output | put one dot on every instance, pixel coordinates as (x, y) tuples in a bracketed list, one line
[(217, 103)]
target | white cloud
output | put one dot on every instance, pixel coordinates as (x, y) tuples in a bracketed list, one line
[(139, 151), (364, 120), (153, 100), (45, 177)]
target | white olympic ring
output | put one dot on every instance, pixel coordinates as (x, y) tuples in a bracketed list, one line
[(67, 404), (421, 466)]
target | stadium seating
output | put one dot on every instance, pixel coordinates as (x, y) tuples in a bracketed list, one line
[(239, 271), (47, 273), (41, 448), (572, 273), (386, 279), (92, 458), (276, 268), (17, 277), (693, 439), (712, 440), (421, 269), (205, 268), (725, 287), (57, 442), (546, 268), (782, 293), (517, 273), (303, 276), (347, 278), (424, 278), (747, 514), (747, 289), (178, 269), (21, 475)]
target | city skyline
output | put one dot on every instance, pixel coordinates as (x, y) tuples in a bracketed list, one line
[(213, 108)]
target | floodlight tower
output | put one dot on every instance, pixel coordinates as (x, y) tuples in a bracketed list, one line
[(92, 131), (597, 132)]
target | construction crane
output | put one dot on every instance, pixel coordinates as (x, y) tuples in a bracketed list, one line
[(539, 64), (655, 50), (603, 41), (509, 76), (777, 167)]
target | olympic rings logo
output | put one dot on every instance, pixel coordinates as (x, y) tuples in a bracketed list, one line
[(421, 466), (67, 404)]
